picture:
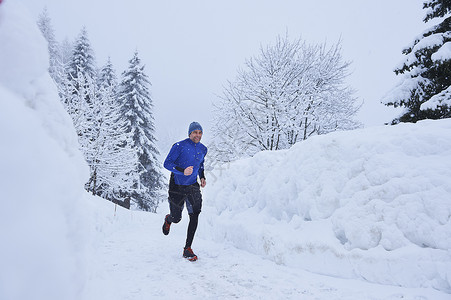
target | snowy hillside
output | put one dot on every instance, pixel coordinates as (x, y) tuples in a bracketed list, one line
[(41, 172), (373, 204)]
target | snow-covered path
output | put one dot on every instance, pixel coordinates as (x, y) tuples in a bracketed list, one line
[(132, 259)]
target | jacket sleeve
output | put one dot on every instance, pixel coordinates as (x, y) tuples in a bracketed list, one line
[(169, 162)]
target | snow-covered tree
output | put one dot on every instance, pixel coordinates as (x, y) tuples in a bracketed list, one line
[(62, 79), (107, 77), (60, 55), (45, 25), (82, 59), (64, 60), (66, 48), (425, 86), (288, 93), (136, 108), (105, 135), (109, 153), (81, 111), (79, 89)]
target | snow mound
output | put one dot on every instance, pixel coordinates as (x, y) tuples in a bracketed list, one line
[(371, 204), (42, 172)]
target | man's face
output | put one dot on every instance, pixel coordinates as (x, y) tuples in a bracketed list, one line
[(196, 136)]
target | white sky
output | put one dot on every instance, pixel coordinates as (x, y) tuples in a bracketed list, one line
[(191, 48)]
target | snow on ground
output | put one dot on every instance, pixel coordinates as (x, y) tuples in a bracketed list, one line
[(372, 204), (365, 205), (134, 260), (41, 172)]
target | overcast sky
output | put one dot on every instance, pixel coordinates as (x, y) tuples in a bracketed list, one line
[(191, 48)]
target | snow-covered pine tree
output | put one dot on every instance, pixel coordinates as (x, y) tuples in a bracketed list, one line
[(60, 54), (107, 77), (45, 25), (136, 108), (79, 89), (425, 86), (81, 96), (289, 92), (110, 155), (62, 78), (65, 55), (82, 59)]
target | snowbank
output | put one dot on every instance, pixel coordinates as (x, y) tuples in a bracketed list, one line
[(371, 204), (42, 172)]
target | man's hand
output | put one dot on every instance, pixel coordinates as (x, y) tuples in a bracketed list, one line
[(188, 171), (203, 182)]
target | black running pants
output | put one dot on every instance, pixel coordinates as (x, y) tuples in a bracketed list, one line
[(178, 196)]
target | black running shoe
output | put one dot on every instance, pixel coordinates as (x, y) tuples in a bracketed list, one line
[(189, 254), (166, 225)]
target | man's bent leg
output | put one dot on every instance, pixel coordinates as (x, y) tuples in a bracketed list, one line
[(176, 199), (176, 203)]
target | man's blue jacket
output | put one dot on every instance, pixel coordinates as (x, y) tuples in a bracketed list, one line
[(182, 155)]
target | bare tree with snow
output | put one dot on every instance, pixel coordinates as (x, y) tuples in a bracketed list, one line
[(288, 93)]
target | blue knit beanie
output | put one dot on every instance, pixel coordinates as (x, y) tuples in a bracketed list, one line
[(194, 126)]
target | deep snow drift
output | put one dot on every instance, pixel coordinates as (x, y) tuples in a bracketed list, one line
[(371, 204), (41, 172)]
